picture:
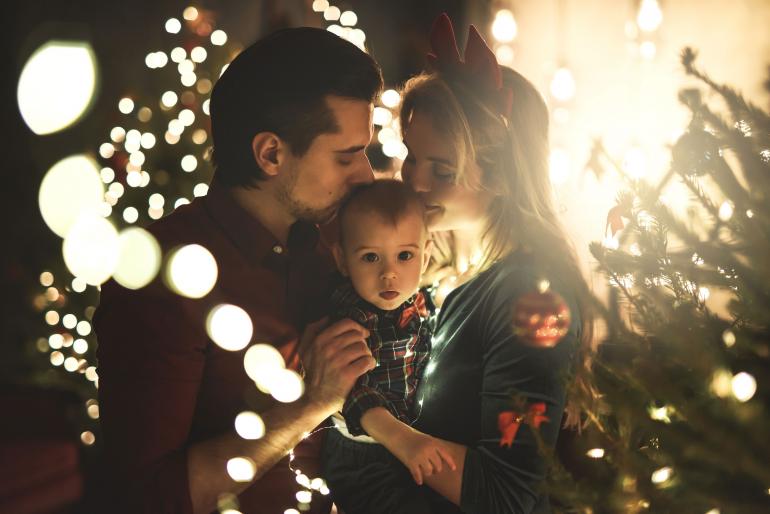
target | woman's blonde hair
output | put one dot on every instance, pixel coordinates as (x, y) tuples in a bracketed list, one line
[(512, 153)]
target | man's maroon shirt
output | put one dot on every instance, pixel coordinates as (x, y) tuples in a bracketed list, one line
[(164, 385)]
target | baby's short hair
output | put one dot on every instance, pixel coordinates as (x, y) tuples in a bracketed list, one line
[(391, 199)]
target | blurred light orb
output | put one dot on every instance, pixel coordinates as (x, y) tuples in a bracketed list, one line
[(304, 496), (241, 469), (563, 86), (721, 383), (91, 249), (106, 150), (79, 285), (198, 54), (56, 86), (332, 13), (393, 148), (126, 105), (390, 98), (70, 189), (69, 321), (218, 37), (156, 201), (80, 346), (635, 163), (382, 116), (662, 475), (173, 26), (181, 201), (650, 16), (190, 13), (647, 50), (168, 99), (192, 271), (504, 55), (249, 425), (187, 117), (287, 386), (189, 163), (70, 364), (728, 337), (200, 190), (178, 54), (117, 134), (148, 140), (83, 328), (744, 386), (595, 453), (726, 211), (320, 5), (559, 164), (504, 28), (262, 362), (57, 358), (230, 327), (348, 19), (139, 260), (46, 279)]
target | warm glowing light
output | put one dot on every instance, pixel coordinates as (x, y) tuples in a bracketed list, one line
[(56, 86), (744, 386), (230, 327), (721, 383), (190, 13), (563, 85), (262, 363), (80, 346), (241, 469), (57, 358), (168, 99), (320, 5), (91, 249), (647, 50), (661, 475), (660, 413), (126, 105), (198, 54), (87, 438), (173, 26), (390, 98), (650, 16), (559, 164), (189, 163), (348, 19), (69, 321), (382, 116), (192, 271), (504, 55), (148, 140), (504, 28), (635, 163), (596, 453), (70, 364), (178, 54), (249, 425), (703, 293), (332, 13), (218, 37), (187, 117), (46, 279), (139, 259), (83, 328), (70, 189), (304, 496), (726, 211), (287, 386), (394, 148), (728, 336), (52, 317)]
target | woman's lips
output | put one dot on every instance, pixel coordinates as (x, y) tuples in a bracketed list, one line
[(388, 295)]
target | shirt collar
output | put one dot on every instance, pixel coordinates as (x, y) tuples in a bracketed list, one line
[(249, 235)]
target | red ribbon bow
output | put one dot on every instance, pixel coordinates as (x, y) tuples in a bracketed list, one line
[(508, 422), (479, 68)]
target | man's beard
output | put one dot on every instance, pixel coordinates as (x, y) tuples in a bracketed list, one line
[(299, 209)]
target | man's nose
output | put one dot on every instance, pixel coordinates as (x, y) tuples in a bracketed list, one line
[(364, 174)]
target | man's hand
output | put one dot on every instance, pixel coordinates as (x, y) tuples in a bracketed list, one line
[(423, 455), (334, 356)]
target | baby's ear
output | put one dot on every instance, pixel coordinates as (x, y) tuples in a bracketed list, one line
[(339, 259), (426, 253)]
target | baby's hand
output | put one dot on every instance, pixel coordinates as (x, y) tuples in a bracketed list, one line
[(422, 455)]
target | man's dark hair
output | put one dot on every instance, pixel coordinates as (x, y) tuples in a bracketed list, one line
[(279, 85)]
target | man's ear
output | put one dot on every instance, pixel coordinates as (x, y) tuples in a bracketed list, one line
[(426, 253), (268, 151), (339, 259)]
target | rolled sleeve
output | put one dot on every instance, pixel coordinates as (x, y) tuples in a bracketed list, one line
[(150, 363)]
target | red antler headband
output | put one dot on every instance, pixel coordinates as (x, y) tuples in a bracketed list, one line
[(479, 69)]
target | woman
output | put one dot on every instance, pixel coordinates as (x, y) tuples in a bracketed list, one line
[(478, 156)]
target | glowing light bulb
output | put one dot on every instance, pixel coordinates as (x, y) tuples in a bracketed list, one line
[(504, 28), (563, 86), (650, 16), (192, 271)]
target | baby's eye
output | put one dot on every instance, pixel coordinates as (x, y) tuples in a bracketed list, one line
[(370, 257), (405, 256)]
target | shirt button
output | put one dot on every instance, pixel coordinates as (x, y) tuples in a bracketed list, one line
[(278, 249)]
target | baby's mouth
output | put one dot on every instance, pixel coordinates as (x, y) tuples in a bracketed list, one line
[(388, 295)]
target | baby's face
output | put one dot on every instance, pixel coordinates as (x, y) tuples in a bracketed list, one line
[(384, 261)]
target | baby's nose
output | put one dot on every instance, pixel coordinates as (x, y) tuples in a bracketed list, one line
[(388, 275)]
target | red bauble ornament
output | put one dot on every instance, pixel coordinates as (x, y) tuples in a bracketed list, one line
[(541, 318)]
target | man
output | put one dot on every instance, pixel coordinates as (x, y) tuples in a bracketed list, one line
[(291, 119)]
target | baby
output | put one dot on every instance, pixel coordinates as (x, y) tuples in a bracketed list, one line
[(382, 252)]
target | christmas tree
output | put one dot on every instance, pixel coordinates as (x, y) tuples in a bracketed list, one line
[(684, 369)]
